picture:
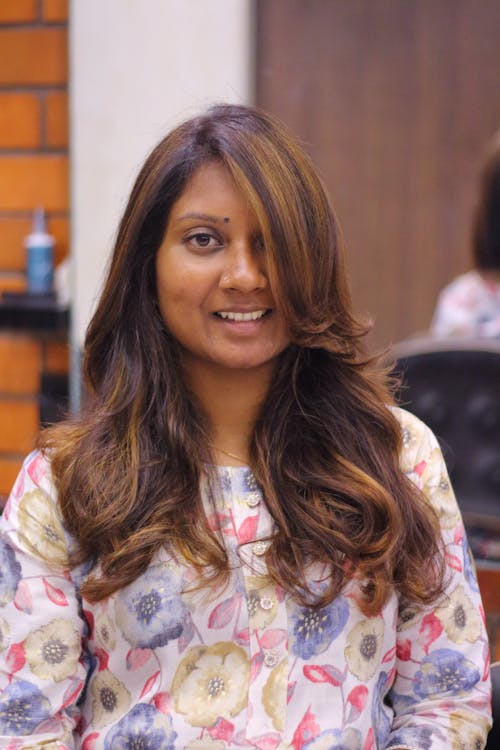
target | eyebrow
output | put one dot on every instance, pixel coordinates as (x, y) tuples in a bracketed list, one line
[(202, 217)]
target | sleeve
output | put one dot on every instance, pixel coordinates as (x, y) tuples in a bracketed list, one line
[(460, 307), (441, 694), (42, 663)]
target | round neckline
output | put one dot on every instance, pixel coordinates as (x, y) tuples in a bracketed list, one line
[(226, 466)]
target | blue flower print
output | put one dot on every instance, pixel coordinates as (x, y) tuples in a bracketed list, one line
[(469, 569), (143, 728), (10, 573), (150, 611), (336, 739), (22, 708), (380, 720), (249, 481), (314, 629), (445, 671), (225, 479), (420, 735)]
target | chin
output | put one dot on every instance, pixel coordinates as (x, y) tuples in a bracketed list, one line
[(247, 364)]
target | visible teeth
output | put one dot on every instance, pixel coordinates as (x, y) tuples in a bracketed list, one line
[(242, 316)]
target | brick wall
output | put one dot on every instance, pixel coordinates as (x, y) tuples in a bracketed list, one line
[(33, 172)]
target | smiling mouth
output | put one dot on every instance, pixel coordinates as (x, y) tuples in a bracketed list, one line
[(242, 317)]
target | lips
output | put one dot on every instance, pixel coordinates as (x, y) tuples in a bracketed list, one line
[(243, 316)]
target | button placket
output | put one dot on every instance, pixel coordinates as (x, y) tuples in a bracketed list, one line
[(253, 499), (260, 548), (271, 658), (273, 650), (266, 602)]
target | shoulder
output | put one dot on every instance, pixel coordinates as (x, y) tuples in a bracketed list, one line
[(32, 520), (35, 476), (35, 472), (418, 440), (465, 284), (422, 461)]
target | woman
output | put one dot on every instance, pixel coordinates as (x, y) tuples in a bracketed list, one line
[(470, 304), (238, 544)]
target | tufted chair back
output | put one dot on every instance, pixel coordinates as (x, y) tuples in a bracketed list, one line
[(454, 386)]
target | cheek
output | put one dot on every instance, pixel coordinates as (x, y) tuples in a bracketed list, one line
[(171, 281), (180, 298)]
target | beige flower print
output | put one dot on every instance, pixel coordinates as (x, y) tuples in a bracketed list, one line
[(461, 620), (4, 634), (468, 730), (262, 602), (349, 740), (52, 652), (105, 631), (206, 744), (274, 695), (437, 484), (111, 699), (364, 644), (211, 681), (40, 528), (412, 431)]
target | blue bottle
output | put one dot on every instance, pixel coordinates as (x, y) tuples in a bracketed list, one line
[(39, 256)]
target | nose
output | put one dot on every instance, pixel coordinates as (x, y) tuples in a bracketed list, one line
[(244, 269)]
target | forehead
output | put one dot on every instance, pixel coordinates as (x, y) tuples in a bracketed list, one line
[(210, 183)]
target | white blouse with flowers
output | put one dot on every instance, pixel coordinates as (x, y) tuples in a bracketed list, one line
[(154, 667), (468, 306)]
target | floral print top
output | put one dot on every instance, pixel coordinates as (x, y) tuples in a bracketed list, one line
[(155, 667), (468, 306)]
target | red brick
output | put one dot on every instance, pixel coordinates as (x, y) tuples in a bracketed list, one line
[(56, 357), (9, 469), (18, 10), (19, 120), (12, 234), (20, 364), (12, 283), (33, 56), (56, 119), (55, 10), (30, 181), (19, 425)]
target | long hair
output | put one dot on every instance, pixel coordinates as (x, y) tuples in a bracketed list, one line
[(325, 448), (486, 225)]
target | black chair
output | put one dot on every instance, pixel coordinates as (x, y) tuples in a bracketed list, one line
[(454, 386)]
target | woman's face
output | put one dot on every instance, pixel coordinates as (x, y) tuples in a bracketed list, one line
[(212, 280)]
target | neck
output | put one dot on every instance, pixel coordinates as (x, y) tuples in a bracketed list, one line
[(232, 401)]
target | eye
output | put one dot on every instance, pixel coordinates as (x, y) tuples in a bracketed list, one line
[(201, 240)]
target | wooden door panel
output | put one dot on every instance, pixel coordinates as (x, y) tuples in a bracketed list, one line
[(394, 100)]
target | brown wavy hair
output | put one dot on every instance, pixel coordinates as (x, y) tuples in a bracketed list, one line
[(325, 448)]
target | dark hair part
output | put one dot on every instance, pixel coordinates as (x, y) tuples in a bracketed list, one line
[(325, 449), (486, 227)]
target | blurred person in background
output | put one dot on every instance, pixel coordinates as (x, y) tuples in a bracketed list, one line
[(470, 304)]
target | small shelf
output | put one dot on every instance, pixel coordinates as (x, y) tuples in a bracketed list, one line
[(33, 312)]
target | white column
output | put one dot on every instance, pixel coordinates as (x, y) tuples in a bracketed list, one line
[(138, 67)]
